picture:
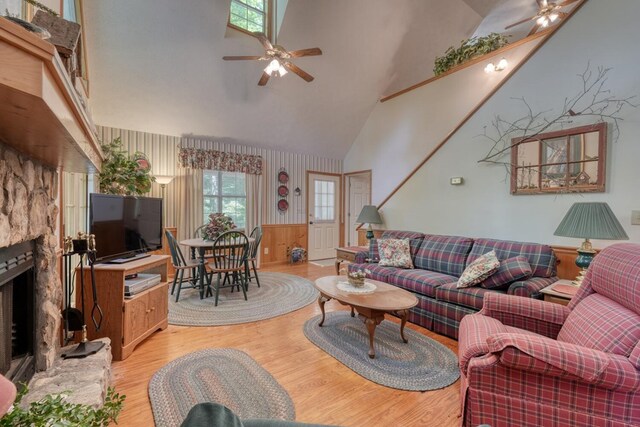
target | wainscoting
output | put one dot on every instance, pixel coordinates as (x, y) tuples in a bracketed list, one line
[(277, 238), (567, 268)]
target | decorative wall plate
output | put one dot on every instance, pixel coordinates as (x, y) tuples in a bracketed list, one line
[(283, 205), (283, 191), (283, 177)]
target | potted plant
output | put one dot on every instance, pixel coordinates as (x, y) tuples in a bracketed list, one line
[(218, 224), (122, 173), (54, 410), (468, 49)]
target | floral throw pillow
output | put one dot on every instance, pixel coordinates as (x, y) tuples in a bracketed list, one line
[(510, 270), (479, 270), (395, 253)]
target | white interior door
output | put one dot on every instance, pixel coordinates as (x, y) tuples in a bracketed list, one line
[(359, 191), (324, 222)]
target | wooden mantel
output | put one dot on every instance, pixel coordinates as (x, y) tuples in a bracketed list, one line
[(41, 115)]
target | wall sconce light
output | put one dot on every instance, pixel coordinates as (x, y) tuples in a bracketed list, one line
[(501, 65)]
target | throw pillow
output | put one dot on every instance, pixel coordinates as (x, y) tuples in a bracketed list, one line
[(511, 270), (395, 253), (483, 267)]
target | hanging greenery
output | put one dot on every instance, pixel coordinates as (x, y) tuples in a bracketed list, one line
[(123, 174), (469, 49)]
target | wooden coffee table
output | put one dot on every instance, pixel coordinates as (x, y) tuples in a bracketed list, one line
[(371, 307)]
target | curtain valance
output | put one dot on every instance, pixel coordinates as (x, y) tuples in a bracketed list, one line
[(219, 160)]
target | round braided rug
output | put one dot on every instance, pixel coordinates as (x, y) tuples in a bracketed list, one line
[(278, 294), (421, 364), (222, 375)]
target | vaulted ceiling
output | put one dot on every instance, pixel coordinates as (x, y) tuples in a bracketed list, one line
[(156, 66)]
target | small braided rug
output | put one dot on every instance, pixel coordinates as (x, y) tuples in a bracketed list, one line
[(278, 294), (222, 375), (421, 364)]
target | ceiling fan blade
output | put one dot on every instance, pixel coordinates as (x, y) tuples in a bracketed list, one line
[(566, 3), (240, 58), (297, 70), (521, 22), (264, 40), (533, 30), (305, 52), (264, 79)]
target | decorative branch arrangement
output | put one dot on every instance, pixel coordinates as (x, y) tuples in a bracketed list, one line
[(593, 102)]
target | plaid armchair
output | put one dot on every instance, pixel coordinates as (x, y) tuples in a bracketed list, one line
[(526, 362)]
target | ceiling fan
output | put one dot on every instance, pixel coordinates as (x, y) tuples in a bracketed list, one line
[(547, 14), (279, 60)]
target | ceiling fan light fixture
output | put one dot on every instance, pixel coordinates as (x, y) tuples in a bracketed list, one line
[(491, 67), (553, 17), (543, 21), (273, 66), (502, 65)]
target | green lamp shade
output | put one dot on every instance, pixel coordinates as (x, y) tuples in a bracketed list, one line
[(591, 220), (369, 215)]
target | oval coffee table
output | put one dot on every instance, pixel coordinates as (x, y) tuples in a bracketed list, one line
[(371, 307)]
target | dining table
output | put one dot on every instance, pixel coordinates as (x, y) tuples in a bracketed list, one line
[(200, 246)]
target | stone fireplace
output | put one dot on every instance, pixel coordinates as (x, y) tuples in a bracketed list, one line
[(31, 290), (28, 219)]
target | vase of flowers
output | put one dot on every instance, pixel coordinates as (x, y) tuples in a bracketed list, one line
[(218, 224), (356, 278)]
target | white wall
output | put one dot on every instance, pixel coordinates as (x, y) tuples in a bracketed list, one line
[(599, 34), (402, 131)]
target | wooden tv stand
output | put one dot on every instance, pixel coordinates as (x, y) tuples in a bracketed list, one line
[(127, 321)]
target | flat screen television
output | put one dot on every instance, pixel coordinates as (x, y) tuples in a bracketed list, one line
[(125, 226)]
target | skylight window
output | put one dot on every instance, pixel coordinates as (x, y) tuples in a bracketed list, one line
[(250, 15)]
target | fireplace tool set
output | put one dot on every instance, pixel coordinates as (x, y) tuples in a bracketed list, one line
[(74, 318)]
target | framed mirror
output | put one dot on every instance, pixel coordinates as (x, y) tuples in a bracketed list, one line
[(565, 161)]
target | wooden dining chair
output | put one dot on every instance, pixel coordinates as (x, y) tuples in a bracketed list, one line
[(230, 252), (256, 235), (180, 264)]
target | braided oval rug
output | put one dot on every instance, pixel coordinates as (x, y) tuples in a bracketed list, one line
[(223, 375), (278, 294), (421, 364)]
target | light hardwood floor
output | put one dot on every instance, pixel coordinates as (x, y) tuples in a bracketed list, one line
[(323, 390)]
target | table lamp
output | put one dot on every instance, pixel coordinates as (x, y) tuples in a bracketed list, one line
[(590, 220), (369, 215)]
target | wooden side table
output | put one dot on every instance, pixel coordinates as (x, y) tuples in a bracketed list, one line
[(347, 254), (551, 295)]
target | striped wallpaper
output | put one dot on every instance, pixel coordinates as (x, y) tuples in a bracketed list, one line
[(162, 151)]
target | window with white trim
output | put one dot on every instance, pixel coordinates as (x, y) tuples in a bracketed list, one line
[(250, 15), (225, 192)]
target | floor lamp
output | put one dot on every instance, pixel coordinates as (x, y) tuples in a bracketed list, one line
[(163, 180)]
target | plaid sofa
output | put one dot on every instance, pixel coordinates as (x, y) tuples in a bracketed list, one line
[(532, 363), (439, 261)]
